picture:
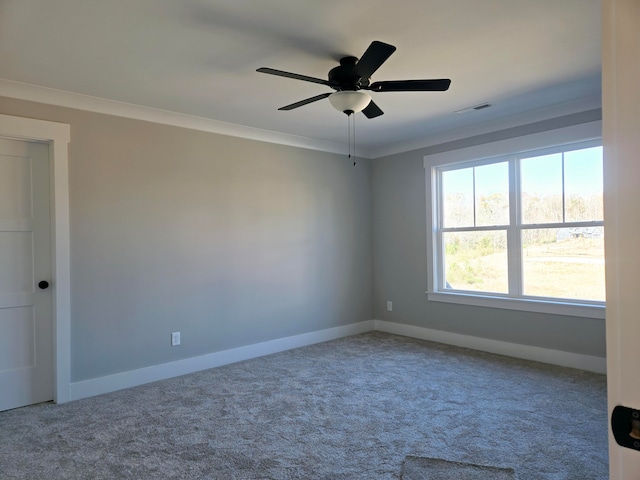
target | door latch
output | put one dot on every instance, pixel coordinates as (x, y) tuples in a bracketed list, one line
[(625, 425)]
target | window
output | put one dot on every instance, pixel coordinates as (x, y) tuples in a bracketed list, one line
[(523, 230)]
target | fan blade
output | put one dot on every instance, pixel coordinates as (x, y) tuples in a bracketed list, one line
[(372, 58), (280, 73), (304, 102), (439, 85), (372, 110)]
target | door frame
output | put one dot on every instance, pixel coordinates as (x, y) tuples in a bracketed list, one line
[(58, 136)]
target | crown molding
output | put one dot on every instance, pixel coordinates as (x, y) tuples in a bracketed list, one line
[(547, 113), (62, 98)]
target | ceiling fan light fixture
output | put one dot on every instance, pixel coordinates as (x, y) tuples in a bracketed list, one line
[(349, 101)]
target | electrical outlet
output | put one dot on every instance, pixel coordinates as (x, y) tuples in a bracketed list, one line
[(175, 338), (389, 306)]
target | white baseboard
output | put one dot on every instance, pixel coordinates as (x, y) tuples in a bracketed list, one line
[(133, 378), (527, 352)]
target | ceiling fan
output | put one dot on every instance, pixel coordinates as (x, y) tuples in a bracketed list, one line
[(354, 75)]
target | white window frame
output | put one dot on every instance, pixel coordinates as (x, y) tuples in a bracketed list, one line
[(588, 134)]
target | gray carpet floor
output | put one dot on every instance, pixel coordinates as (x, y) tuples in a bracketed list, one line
[(352, 408)]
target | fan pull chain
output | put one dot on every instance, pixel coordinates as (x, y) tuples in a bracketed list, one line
[(349, 116), (354, 140), (349, 135)]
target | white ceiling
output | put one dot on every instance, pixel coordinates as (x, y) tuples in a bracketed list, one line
[(198, 57)]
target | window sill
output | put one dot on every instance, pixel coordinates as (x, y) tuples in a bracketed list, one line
[(523, 304)]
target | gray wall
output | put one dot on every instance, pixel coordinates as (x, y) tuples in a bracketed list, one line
[(234, 242), (229, 241), (400, 259)]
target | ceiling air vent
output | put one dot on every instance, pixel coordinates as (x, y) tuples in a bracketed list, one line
[(482, 106)]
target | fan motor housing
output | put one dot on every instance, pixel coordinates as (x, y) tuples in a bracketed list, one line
[(342, 77)]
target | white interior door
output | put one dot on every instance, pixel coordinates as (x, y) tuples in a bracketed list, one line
[(26, 360), (621, 125)]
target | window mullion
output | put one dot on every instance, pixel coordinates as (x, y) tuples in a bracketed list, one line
[(564, 206), (514, 236), (439, 277), (475, 222)]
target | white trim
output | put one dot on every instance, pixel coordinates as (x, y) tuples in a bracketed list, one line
[(548, 306), (504, 150), (132, 378), (154, 373), (58, 137), (547, 113), (573, 134), (61, 98), (538, 354)]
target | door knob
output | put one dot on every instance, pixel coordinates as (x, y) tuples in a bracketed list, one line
[(43, 285)]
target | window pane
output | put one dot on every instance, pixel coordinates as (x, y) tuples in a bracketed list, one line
[(457, 196), (492, 194), (476, 261), (541, 189), (564, 263), (583, 185)]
